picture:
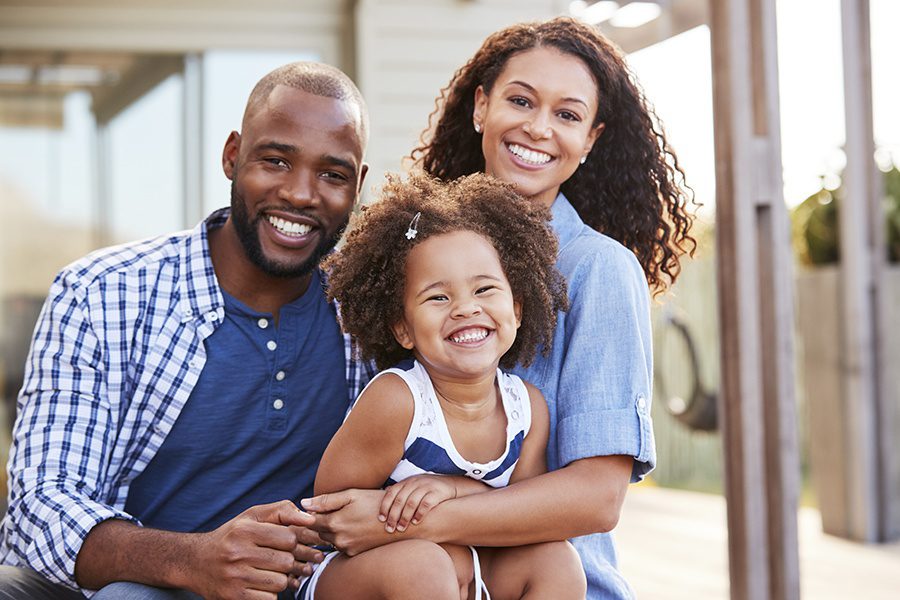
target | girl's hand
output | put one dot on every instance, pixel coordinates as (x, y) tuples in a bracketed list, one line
[(410, 500)]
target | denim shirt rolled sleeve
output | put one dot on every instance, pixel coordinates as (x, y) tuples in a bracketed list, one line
[(604, 388), (117, 351)]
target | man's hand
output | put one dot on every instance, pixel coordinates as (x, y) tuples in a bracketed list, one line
[(408, 501), (255, 555), (349, 520)]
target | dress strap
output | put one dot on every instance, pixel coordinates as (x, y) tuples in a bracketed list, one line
[(480, 588)]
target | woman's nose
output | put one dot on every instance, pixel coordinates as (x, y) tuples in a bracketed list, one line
[(537, 128)]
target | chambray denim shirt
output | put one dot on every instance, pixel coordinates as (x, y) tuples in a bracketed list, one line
[(597, 377), (117, 351)]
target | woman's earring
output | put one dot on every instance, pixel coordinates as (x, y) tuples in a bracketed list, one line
[(584, 159), (477, 128)]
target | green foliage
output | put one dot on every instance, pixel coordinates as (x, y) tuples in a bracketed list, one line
[(814, 223)]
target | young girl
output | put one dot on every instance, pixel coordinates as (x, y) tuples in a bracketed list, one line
[(447, 282)]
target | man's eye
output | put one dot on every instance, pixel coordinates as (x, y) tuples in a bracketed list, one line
[(278, 162), (335, 175)]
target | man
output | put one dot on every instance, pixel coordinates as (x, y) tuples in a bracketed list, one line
[(180, 391)]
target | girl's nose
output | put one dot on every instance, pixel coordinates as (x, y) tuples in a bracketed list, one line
[(466, 309)]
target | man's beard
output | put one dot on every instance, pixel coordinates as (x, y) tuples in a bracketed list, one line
[(248, 233)]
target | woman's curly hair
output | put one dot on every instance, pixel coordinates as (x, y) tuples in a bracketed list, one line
[(368, 275), (631, 188)]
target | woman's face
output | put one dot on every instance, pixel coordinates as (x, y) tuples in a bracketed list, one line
[(537, 121)]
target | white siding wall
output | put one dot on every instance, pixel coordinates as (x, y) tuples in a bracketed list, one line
[(177, 26)]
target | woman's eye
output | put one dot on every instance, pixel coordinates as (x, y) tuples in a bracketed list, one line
[(520, 101), (569, 116)]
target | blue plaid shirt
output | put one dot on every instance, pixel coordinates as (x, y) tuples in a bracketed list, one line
[(117, 350)]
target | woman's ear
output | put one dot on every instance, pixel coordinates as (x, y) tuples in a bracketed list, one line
[(517, 308), (481, 100), (593, 136), (401, 334)]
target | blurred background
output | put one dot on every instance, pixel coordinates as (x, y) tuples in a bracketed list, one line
[(113, 114)]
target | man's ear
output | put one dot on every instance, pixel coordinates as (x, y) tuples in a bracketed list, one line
[(401, 334), (363, 171), (230, 154)]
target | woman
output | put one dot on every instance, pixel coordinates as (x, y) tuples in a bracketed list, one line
[(553, 108)]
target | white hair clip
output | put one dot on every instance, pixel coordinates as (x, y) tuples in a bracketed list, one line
[(411, 232)]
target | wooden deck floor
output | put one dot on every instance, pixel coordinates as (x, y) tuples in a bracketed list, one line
[(673, 546)]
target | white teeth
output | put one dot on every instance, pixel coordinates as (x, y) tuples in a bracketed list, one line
[(530, 156), (289, 227), (471, 335)]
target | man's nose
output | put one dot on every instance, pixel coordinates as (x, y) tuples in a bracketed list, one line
[(299, 188)]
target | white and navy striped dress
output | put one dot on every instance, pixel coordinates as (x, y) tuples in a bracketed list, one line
[(428, 448)]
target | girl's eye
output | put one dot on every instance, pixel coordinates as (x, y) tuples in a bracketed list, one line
[(438, 298), (569, 116), (484, 289)]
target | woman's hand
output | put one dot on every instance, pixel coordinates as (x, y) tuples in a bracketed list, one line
[(349, 520), (408, 501)]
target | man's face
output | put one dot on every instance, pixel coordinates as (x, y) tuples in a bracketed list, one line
[(296, 171)]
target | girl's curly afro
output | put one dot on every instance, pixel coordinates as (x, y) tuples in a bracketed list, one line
[(367, 276)]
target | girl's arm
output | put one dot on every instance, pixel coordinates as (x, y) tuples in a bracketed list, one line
[(533, 459), (369, 444)]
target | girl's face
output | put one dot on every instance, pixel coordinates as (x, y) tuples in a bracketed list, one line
[(459, 316), (537, 121)]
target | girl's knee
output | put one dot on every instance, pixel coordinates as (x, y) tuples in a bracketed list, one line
[(425, 567), (560, 563)]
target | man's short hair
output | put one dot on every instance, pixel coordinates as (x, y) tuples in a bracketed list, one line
[(315, 78)]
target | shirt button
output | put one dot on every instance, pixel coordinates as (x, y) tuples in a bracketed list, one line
[(271, 345), (279, 375), (642, 404), (212, 316), (263, 323), (278, 404)]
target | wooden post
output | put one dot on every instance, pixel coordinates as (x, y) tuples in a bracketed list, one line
[(867, 414), (755, 305)]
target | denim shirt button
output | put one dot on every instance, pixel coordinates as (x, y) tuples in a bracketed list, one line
[(641, 403)]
